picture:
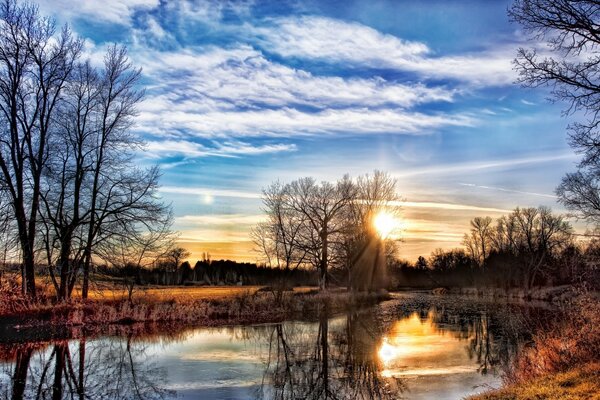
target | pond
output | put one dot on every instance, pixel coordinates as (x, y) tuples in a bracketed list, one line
[(410, 347)]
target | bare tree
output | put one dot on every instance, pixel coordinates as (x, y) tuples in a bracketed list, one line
[(279, 238), (322, 207), (175, 256), (376, 193), (35, 64), (479, 240), (533, 237), (326, 224), (570, 65)]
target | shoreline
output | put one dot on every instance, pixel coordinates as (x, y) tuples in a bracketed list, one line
[(255, 308)]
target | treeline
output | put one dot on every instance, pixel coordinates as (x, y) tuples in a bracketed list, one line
[(529, 247), (212, 272), (70, 192)]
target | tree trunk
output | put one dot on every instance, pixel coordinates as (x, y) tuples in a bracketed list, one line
[(323, 284)]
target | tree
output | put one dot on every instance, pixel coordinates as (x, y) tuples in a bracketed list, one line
[(35, 64), (478, 241), (570, 66), (327, 225), (175, 256), (279, 238), (322, 207), (365, 252)]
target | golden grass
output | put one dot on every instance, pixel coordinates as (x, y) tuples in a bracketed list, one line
[(167, 293), (576, 384)]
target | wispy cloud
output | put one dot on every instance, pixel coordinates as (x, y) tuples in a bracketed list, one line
[(508, 190), (450, 206), (189, 149), (336, 41), (111, 11), (221, 219), (483, 165), (238, 92), (201, 191)]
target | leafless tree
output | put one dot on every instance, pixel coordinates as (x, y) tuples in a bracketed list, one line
[(478, 241), (279, 238), (533, 237), (35, 64), (570, 65), (322, 208), (374, 194), (325, 224)]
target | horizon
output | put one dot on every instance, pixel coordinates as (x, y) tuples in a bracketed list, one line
[(239, 95)]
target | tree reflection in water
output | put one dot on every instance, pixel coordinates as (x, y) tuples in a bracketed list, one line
[(345, 357), (323, 363), (101, 369)]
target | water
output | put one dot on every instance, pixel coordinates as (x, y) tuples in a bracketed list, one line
[(401, 349)]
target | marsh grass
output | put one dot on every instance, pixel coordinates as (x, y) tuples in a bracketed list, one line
[(206, 306), (563, 361)]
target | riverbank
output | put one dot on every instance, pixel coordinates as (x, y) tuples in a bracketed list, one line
[(562, 360), (197, 307)]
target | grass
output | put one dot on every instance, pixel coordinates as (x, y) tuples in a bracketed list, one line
[(563, 361), (166, 293), (197, 306), (578, 383)]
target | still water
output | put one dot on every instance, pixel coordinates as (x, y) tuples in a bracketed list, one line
[(416, 351)]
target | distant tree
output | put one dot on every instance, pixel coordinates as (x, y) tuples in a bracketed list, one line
[(175, 256), (478, 241), (421, 263), (570, 65)]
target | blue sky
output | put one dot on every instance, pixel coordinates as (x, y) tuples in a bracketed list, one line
[(242, 93)]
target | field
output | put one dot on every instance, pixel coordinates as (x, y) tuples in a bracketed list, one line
[(166, 293)]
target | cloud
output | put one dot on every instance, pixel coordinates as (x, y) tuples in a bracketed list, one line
[(482, 165), (189, 149), (336, 41), (288, 122), (221, 219), (449, 206), (244, 77), (508, 190), (217, 92), (201, 191), (112, 11)]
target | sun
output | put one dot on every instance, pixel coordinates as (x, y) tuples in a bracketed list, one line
[(384, 223)]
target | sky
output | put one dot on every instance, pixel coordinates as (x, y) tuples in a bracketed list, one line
[(242, 93)]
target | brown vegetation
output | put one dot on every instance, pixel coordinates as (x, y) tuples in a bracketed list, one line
[(195, 306), (562, 362)]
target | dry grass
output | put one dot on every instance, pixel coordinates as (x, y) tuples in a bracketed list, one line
[(581, 383), (166, 293), (563, 361), (208, 305)]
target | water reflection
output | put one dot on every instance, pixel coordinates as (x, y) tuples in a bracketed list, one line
[(99, 369), (410, 352), (334, 359)]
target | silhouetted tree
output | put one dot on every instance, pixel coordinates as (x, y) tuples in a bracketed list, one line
[(35, 65), (570, 65), (478, 241)]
